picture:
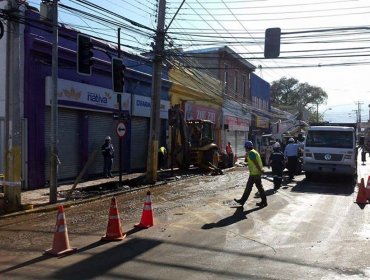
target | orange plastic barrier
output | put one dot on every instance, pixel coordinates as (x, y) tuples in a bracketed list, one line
[(114, 229), (147, 219), (61, 244)]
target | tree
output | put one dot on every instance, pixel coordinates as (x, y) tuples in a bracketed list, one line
[(288, 94)]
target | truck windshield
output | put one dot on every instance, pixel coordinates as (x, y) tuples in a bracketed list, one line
[(330, 139)]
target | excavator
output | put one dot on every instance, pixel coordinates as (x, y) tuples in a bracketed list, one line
[(192, 142)]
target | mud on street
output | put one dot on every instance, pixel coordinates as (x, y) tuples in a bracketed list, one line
[(309, 230)]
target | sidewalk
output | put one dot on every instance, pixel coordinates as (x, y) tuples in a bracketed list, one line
[(38, 199)]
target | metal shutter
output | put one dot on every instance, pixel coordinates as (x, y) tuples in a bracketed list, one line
[(100, 126), (241, 137), (139, 142), (68, 136)]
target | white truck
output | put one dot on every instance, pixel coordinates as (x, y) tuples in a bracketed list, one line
[(330, 150)]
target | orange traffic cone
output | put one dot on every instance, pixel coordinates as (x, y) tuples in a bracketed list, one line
[(60, 242), (367, 191), (361, 195), (147, 215), (114, 229)]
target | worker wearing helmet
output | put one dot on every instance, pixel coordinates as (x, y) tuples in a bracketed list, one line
[(255, 171), (291, 155), (277, 165), (107, 151)]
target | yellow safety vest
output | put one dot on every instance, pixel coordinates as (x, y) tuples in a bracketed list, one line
[(253, 170)]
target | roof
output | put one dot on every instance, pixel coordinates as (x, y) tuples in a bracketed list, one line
[(227, 50)]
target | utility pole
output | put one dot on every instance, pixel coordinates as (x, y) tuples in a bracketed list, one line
[(13, 110), (54, 158), (151, 174), (359, 103)]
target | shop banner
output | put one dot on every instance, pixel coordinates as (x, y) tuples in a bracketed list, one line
[(141, 106), (85, 97), (199, 112), (236, 124), (262, 122)]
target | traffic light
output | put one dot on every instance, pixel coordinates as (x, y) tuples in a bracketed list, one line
[(84, 54), (117, 74), (272, 42)]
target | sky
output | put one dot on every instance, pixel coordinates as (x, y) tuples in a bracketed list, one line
[(311, 30)]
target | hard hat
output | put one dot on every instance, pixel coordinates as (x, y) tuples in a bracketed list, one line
[(108, 138), (276, 145), (248, 145), (291, 140)]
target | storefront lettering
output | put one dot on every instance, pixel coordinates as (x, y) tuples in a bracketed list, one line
[(97, 98), (142, 103)]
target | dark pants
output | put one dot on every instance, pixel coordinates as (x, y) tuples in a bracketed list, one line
[(230, 160), (277, 172), (161, 160), (292, 166), (253, 179), (108, 162)]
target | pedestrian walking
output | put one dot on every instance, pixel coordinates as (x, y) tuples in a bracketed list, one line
[(277, 165), (255, 171), (291, 154), (108, 155), (230, 155)]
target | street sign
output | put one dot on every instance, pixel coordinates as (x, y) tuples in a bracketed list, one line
[(121, 129)]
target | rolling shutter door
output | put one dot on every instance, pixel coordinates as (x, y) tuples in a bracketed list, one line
[(240, 140), (68, 136), (139, 142), (102, 125)]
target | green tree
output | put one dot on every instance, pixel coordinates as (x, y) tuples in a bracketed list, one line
[(291, 95)]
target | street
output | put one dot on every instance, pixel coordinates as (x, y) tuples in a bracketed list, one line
[(309, 230)]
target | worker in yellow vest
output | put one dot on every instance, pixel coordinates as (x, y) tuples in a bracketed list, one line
[(255, 171)]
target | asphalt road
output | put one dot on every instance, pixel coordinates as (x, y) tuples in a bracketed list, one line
[(309, 230)]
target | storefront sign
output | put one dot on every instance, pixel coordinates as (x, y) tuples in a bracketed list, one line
[(85, 97), (236, 124), (262, 122), (141, 106), (199, 112)]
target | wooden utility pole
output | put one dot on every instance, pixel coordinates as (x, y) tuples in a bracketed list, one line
[(151, 174)]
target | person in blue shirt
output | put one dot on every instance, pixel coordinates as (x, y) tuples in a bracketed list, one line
[(277, 165), (291, 154)]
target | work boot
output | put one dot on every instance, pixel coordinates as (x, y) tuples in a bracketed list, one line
[(261, 204)]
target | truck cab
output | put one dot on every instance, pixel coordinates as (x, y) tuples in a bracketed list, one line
[(330, 150)]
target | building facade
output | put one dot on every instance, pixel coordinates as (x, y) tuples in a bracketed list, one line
[(86, 106)]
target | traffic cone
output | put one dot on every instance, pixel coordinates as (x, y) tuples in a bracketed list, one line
[(114, 229), (367, 191), (60, 241), (147, 215), (361, 195)]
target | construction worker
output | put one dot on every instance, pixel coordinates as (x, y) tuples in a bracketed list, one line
[(277, 165), (230, 155), (291, 154), (255, 171), (108, 154), (162, 157)]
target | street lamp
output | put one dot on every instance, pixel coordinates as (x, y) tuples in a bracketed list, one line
[(322, 114)]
